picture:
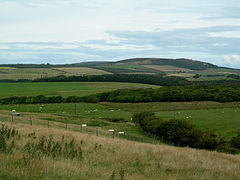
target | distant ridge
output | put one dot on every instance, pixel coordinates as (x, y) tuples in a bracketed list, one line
[(181, 62), (192, 70)]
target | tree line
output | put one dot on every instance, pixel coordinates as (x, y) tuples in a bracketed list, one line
[(159, 79), (174, 94), (164, 94), (132, 78), (183, 133)]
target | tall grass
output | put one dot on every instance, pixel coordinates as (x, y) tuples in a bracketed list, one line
[(106, 158)]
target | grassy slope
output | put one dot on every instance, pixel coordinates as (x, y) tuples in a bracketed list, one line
[(136, 160), (63, 88)]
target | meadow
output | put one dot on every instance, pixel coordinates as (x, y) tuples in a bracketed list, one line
[(85, 156), (64, 88)]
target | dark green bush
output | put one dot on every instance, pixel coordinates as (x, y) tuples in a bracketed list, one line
[(116, 120), (178, 132), (235, 142)]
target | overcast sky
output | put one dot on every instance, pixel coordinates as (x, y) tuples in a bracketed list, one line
[(70, 31)]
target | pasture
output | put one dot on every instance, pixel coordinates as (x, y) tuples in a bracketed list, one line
[(221, 118), (64, 88), (94, 115)]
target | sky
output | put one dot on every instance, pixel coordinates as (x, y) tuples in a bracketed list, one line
[(72, 31)]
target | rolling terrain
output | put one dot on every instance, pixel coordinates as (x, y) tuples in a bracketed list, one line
[(170, 67), (49, 142)]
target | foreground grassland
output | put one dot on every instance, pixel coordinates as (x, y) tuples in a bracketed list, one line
[(221, 118), (33, 73), (64, 88), (106, 158)]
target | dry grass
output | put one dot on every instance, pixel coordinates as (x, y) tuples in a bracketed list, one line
[(137, 160), (182, 74)]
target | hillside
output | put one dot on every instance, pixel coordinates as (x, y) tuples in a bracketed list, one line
[(181, 63), (106, 158), (192, 70)]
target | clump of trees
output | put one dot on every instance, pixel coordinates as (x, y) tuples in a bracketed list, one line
[(183, 133)]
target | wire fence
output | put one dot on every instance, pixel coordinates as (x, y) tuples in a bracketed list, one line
[(84, 128)]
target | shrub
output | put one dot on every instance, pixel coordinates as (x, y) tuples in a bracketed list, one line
[(235, 141), (181, 132), (227, 149), (116, 120)]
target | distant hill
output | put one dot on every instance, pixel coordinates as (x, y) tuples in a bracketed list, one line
[(192, 70), (181, 63)]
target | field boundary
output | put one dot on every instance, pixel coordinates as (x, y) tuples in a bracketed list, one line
[(83, 128)]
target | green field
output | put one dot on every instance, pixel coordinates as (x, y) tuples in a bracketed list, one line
[(222, 119), (64, 88)]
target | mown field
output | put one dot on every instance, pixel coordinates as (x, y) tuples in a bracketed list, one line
[(33, 73), (221, 118), (64, 88), (88, 157)]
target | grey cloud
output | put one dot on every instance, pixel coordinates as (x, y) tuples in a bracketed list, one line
[(189, 43), (185, 39)]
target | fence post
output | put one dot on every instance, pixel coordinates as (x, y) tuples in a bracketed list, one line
[(97, 131), (113, 134)]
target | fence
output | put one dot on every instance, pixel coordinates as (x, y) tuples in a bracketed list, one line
[(83, 128)]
